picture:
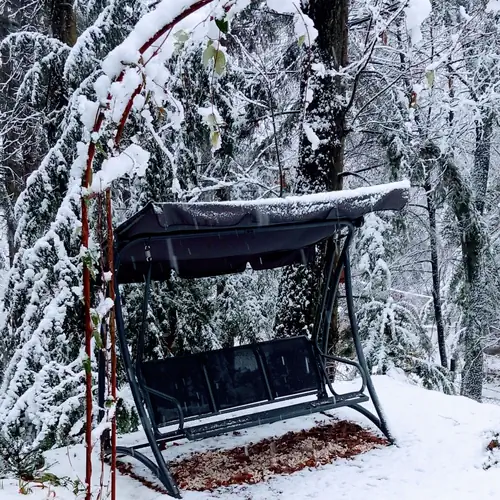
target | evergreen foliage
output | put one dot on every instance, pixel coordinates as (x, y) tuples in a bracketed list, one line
[(42, 367)]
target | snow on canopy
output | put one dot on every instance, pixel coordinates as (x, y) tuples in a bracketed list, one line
[(193, 238), (349, 204)]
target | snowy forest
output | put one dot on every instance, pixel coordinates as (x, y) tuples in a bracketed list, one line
[(245, 100)]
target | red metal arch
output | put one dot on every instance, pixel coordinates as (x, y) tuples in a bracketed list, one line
[(86, 180)]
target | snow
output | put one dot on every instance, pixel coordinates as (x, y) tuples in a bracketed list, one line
[(88, 111), (493, 6), (491, 384), (440, 453), (417, 12), (491, 393), (210, 116), (282, 6), (321, 197), (128, 51), (464, 15), (135, 67), (311, 136), (304, 29), (166, 12), (105, 306), (353, 202), (310, 201), (303, 24), (132, 161), (101, 88)]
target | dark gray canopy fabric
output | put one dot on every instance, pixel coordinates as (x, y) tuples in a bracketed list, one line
[(210, 239)]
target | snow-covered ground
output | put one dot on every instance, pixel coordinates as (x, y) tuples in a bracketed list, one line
[(440, 453)]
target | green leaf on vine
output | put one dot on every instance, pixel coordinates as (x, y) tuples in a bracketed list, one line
[(181, 37), (95, 318), (87, 365), (215, 139), (223, 25), (209, 53), (220, 62), (98, 339)]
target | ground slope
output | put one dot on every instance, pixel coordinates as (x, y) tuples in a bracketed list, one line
[(440, 453)]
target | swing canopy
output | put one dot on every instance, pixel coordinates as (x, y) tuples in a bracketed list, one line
[(211, 239)]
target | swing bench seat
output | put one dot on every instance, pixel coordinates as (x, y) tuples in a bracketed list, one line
[(287, 374)]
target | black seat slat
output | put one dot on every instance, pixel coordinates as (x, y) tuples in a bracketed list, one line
[(271, 415), (181, 378), (291, 366), (236, 377)]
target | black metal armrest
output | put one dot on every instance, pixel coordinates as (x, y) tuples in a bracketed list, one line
[(172, 400), (349, 362)]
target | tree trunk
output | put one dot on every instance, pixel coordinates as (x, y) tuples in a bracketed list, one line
[(484, 131), (468, 205), (436, 290), (320, 162), (63, 27), (63, 21), (474, 242)]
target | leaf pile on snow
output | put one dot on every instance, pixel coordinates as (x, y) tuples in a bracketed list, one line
[(493, 452), (286, 454)]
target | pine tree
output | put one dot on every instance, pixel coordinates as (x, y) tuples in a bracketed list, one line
[(42, 365)]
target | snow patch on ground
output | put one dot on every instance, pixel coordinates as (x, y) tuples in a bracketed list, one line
[(440, 453)]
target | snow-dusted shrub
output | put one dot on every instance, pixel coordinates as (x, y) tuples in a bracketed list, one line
[(391, 331), (17, 459)]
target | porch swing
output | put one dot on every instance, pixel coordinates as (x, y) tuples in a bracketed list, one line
[(206, 394)]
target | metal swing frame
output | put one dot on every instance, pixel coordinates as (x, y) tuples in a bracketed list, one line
[(326, 397)]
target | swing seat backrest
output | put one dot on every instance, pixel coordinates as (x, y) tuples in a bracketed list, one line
[(227, 379)]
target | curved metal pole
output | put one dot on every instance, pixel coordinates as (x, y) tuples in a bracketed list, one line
[(142, 332), (164, 474), (350, 362), (330, 261), (332, 292), (370, 416), (140, 345), (382, 423), (139, 359), (170, 399), (132, 452)]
